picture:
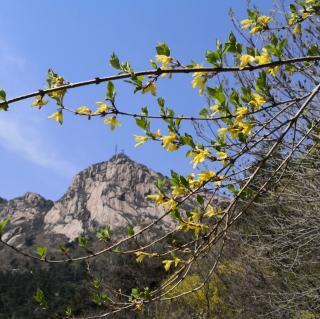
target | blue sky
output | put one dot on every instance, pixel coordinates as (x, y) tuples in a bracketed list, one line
[(76, 38)]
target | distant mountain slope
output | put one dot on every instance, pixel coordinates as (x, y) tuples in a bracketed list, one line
[(110, 193)]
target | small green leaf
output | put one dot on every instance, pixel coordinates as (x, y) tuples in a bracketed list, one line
[(3, 95), (130, 231), (163, 49), (82, 241), (40, 299), (104, 233), (42, 252), (314, 50), (3, 225), (200, 199), (217, 93), (114, 61), (213, 57), (204, 112), (3, 106), (68, 312), (175, 214), (110, 90), (99, 298)]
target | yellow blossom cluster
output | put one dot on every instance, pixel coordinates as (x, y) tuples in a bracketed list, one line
[(150, 87), (199, 155), (261, 23), (169, 142), (199, 79)]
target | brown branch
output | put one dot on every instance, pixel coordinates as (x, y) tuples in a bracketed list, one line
[(159, 71)]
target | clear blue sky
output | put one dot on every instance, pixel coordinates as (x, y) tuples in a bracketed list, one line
[(76, 38)]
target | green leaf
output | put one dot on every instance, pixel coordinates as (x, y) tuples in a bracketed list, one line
[(313, 50), (130, 231), (99, 298), (96, 283), (114, 61), (231, 188), (187, 140), (217, 93), (3, 95), (261, 82), (175, 214), (163, 49), (3, 225), (160, 182), (42, 252), (68, 312), (40, 299), (204, 112), (154, 64), (161, 101), (110, 90), (82, 241), (213, 57), (104, 233), (142, 123), (184, 181), (200, 199)]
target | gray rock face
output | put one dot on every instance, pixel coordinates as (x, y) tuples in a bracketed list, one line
[(109, 193), (26, 216)]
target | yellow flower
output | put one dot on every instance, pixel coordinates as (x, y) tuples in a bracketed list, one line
[(140, 256), (297, 29), (246, 23), (167, 264), (222, 132), (273, 71), (158, 198), (83, 110), (57, 116), (255, 29), (305, 15), (164, 60), (170, 204), (222, 155), (234, 132), (292, 21), (241, 112), (150, 87), (103, 108), (140, 140), (246, 127), (245, 60), (39, 101), (112, 121), (178, 190), (206, 176), (157, 134), (264, 20), (199, 79), (214, 108), (193, 183), (264, 57), (210, 212), (168, 142), (199, 156), (257, 101)]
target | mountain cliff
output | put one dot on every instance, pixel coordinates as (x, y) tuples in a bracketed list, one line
[(110, 193)]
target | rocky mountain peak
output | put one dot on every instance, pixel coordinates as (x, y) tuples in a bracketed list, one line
[(107, 193)]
